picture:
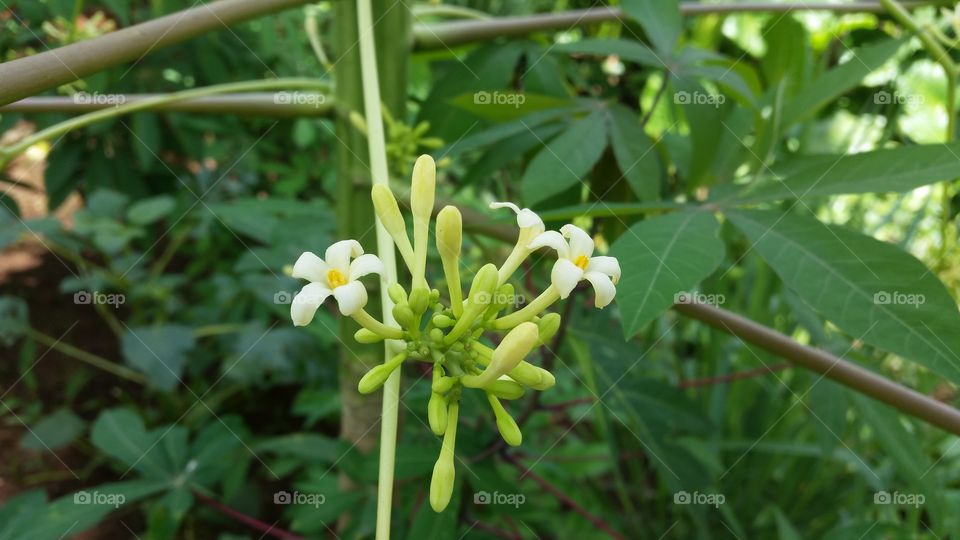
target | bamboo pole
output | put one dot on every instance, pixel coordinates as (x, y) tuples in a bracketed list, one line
[(246, 104)]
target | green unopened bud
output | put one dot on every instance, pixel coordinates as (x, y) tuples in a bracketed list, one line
[(436, 336), (442, 321), (441, 483), (505, 388), (547, 380), (449, 239), (397, 293), (505, 423), (419, 300), (516, 345), (437, 413), (532, 376), (434, 296), (444, 384), (386, 208), (358, 122), (423, 189), (367, 336), (483, 286), (548, 326), (375, 378), (404, 316)]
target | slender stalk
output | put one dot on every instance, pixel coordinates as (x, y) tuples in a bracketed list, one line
[(376, 144), (96, 361), (34, 74), (245, 104), (61, 128), (240, 517), (838, 369), (367, 321)]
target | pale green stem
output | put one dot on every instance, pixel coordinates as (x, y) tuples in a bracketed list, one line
[(96, 361), (540, 303), (451, 270), (376, 144), (66, 126), (367, 321)]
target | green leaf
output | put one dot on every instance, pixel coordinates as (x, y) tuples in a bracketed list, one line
[(54, 431), (120, 434), (880, 171), (630, 51), (834, 83), (661, 257), (308, 446), (147, 211), (501, 106), (565, 159), (660, 19), (634, 152), (13, 319), (159, 352), (872, 290)]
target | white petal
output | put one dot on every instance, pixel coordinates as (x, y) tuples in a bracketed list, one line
[(339, 254), (602, 286), (527, 218), (581, 243), (311, 267), (351, 297), (551, 239), (609, 266), (510, 205), (365, 264), (306, 302), (565, 276)]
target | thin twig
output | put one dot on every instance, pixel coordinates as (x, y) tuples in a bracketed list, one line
[(244, 519), (724, 379)]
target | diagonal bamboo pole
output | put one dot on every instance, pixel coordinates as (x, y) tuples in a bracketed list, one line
[(242, 104)]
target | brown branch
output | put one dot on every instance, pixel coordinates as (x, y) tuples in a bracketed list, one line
[(724, 379), (245, 104), (562, 497), (244, 519)]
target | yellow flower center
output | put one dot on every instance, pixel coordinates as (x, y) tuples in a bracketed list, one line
[(582, 261), (335, 279)]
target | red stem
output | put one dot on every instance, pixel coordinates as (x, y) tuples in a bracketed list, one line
[(240, 517)]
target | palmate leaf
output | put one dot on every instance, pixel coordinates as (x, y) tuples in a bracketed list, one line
[(872, 290), (879, 171), (660, 19), (661, 257), (565, 159)]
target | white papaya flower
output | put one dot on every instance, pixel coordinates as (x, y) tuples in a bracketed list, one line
[(335, 275), (526, 218), (575, 262)]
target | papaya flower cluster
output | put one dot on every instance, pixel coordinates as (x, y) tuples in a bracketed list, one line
[(451, 330)]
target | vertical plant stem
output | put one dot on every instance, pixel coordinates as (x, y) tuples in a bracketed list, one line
[(376, 145)]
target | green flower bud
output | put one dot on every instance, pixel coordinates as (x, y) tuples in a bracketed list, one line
[(375, 378), (516, 345), (404, 316), (444, 384), (483, 286), (419, 300), (422, 194), (547, 380), (505, 388), (386, 208), (437, 413), (449, 238), (442, 321), (434, 296), (441, 483), (548, 326), (505, 423), (367, 336), (532, 376), (436, 335), (397, 293)]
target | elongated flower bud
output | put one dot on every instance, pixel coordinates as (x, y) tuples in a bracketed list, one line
[(375, 378), (397, 293), (419, 300), (506, 425), (385, 205), (422, 194), (481, 293), (548, 326), (444, 474), (404, 316), (516, 345), (505, 388), (367, 337), (437, 413), (532, 376), (449, 243)]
